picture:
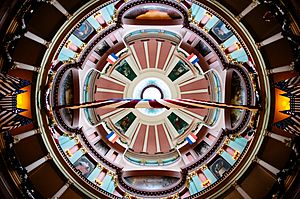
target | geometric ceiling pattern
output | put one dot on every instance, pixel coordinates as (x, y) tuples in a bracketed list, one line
[(142, 60)]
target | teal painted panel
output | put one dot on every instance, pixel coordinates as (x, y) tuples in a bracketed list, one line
[(75, 40), (209, 175), (238, 53), (195, 8), (68, 52), (106, 15), (198, 183), (111, 9), (230, 41), (111, 187), (105, 183), (192, 188), (211, 22), (241, 141), (200, 14), (93, 22), (63, 139), (236, 146), (92, 177), (228, 158), (76, 156), (62, 57), (68, 145), (243, 59)]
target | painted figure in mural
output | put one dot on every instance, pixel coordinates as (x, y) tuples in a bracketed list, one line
[(178, 71), (125, 69), (221, 31), (124, 123), (84, 165), (219, 167), (84, 31)]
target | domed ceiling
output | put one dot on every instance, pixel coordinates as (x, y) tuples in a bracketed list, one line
[(150, 99)]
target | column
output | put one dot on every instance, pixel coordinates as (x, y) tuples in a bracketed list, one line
[(270, 40), (266, 166), (235, 154), (36, 38), (248, 9), (24, 135), (62, 190), (233, 47), (37, 163), (61, 9), (157, 140), (25, 66), (72, 150), (146, 139), (100, 20), (205, 181), (280, 138), (241, 191), (100, 177), (281, 69), (70, 45)]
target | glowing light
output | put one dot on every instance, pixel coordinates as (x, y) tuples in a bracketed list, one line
[(152, 93), (282, 103), (24, 102), (152, 88)]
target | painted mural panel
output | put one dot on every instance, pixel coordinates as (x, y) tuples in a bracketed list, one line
[(219, 167), (238, 97), (84, 31), (102, 147), (221, 31), (67, 90), (180, 69), (153, 12), (201, 148), (179, 124), (151, 182), (84, 165), (124, 68), (67, 94), (124, 123), (202, 48), (102, 48)]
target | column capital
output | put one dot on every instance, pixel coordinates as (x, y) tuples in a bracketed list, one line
[(255, 2), (235, 184), (203, 167), (49, 157), (47, 43), (255, 159), (258, 45), (69, 182), (16, 139)]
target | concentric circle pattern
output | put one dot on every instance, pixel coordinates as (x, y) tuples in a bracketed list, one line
[(129, 61), (110, 55)]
